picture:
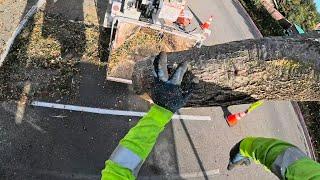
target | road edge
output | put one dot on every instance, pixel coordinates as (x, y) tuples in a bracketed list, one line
[(249, 18), (19, 28), (306, 134)]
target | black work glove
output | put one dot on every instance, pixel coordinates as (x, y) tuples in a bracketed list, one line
[(166, 89), (236, 159)]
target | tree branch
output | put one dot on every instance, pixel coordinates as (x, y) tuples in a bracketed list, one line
[(274, 68)]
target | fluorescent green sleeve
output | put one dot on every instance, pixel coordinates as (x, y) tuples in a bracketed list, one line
[(263, 150), (266, 151), (303, 169), (140, 140), (114, 171)]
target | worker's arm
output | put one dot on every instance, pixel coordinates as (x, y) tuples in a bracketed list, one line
[(134, 148), (283, 159)]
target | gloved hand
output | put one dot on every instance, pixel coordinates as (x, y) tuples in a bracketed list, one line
[(166, 90), (236, 159)]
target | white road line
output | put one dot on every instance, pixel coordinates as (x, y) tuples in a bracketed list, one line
[(111, 111), (120, 80)]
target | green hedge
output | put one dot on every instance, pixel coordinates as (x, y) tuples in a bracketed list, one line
[(300, 12)]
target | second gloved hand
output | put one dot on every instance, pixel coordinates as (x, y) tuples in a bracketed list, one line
[(166, 91), (236, 159)]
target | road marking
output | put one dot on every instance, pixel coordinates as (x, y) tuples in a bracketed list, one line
[(120, 80), (111, 111)]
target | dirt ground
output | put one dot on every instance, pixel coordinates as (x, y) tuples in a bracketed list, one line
[(46, 55)]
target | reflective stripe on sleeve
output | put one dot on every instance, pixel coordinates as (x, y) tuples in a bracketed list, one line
[(285, 159), (127, 159)]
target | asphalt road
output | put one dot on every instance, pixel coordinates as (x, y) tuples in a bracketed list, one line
[(230, 22), (59, 144)]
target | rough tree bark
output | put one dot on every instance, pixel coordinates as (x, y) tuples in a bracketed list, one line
[(273, 68)]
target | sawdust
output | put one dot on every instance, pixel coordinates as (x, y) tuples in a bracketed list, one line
[(47, 54), (143, 43)]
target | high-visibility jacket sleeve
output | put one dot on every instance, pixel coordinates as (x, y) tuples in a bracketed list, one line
[(141, 138), (114, 171), (263, 150), (139, 141), (303, 169), (276, 154)]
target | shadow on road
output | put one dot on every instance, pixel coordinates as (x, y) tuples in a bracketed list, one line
[(195, 152), (104, 36), (68, 10), (226, 111), (195, 16)]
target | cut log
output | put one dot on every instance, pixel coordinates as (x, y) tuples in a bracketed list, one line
[(272, 68)]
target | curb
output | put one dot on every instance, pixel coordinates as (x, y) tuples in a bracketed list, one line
[(305, 129), (249, 18), (19, 28)]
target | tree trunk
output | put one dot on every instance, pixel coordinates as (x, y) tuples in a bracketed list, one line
[(273, 68)]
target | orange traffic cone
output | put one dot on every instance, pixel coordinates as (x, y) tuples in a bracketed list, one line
[(184, 18), (232, 119), (206, 24)]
